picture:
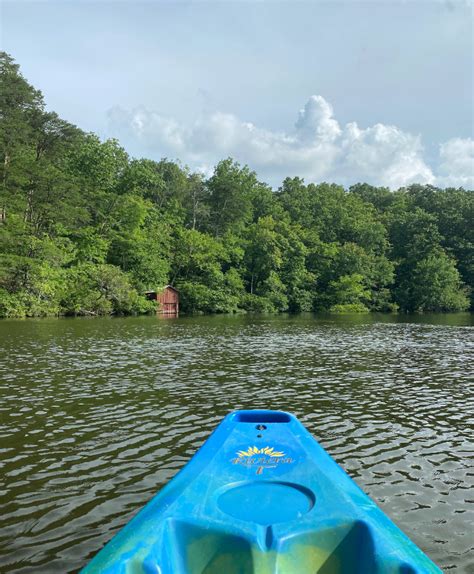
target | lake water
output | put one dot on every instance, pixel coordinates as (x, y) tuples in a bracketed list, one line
[(97, 414)]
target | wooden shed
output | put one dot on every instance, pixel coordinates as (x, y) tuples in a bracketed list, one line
[(167, 301)]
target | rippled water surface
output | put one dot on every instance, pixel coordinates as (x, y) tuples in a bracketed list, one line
[(97, 414)]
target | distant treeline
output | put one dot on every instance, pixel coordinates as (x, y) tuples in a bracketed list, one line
[(85, 229)]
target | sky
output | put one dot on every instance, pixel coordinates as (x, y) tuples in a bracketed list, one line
[(341, 91)]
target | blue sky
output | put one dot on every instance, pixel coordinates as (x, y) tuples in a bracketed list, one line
[(335, 91)]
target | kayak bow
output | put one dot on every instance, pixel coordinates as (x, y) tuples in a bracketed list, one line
[(261, 496)]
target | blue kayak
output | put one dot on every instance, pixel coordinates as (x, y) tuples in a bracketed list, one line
[(261, 496)]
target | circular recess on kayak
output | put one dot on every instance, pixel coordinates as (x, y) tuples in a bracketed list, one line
[(266, 502)]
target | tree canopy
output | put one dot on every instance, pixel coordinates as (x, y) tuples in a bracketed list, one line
[(85, 229)]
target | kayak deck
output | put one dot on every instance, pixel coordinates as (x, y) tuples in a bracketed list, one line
[(261, 496)]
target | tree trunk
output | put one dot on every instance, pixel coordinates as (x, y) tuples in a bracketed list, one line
[(3, 210)]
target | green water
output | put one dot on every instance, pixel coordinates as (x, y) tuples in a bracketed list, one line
[(97, 414)]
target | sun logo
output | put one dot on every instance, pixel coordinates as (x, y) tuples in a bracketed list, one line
[(253, 450)]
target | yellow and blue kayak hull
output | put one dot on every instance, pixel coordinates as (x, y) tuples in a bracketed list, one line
[(261, 496)]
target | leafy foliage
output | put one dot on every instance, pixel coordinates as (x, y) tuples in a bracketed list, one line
[(86, 230)]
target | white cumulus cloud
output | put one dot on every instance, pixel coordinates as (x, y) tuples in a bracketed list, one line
[(317, 147), (456, 167)]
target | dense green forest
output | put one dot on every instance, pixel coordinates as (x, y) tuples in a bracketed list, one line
[(85, 229)]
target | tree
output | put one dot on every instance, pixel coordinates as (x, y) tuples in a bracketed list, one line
[(202, 271), (380, 197), (140, 242), (19, 102), (197, 209), (435, 285), (231, 189), (454, 213), (348, 294)]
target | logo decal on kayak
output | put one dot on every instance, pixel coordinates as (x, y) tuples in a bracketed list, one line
[(252, 450), (263, 458)]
